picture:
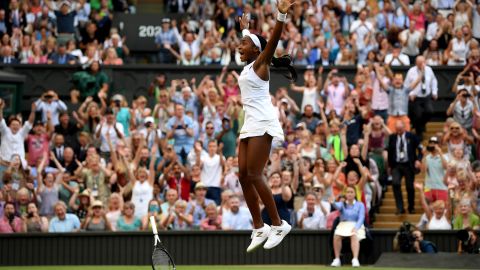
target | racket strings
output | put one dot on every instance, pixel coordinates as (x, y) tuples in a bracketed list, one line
[(161, 260)]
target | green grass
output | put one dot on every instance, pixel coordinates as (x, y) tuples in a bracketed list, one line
[(195, 267)]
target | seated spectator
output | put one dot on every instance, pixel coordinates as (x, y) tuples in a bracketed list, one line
[(314, 215), (9, 222), (63, 222), (170, 198), (127, 221), (50, 106), (212, 221), (37, 56), (178, 218), (7, 55), (111, 58), (61, 56), (238, 218), (115, 206), (155, 211), (197, 207), (80, 203), (96, 220), (466, 217), (33, 222), (352, 216)]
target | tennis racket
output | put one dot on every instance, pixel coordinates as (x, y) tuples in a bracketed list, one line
[(161, 259)]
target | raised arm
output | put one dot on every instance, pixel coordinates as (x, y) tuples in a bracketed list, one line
[(423, 201), (261, 65)]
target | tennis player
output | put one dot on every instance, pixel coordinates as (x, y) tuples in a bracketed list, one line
[(261, 126)]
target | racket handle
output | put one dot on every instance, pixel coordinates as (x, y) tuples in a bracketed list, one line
[(154, 224)]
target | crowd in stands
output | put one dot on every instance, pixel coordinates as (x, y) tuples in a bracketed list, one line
[(100, 162)]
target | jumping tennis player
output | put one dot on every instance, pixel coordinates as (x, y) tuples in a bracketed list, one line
[(261, 126)]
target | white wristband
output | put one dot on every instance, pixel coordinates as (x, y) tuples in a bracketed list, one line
[(282, 17), (245, 32)]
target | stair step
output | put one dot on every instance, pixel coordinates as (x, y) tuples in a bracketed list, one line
[(412, 218), (387, 225)]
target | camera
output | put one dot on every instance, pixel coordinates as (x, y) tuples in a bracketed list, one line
[(117, 103), (310, 214), (48, 96), (430, 148), (466, 95), (30, 215)]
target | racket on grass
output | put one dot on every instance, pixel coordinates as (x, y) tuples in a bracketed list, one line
[(161, 259)]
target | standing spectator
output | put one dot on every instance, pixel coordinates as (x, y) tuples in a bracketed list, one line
[(180, 129), (337, 90), (282, 194), (466, 217), (397, 58), (238, 218), (63, 222), (403, 161), (212, 166), (424, 88), (352, 217), (33, 222), (398, 100), (228, 136), (142, 185), (438, 213), (457, 50), (68, 129), (187, 41), (96, 178), (434, 165), (13, 137), (65, 14), (164, 40), (213, 221), (363, 31), (109, 129), (463, 109), (50, 105), (37, 144), (411, 40), (9, 222)]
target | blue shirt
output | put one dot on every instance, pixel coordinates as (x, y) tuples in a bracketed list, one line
[(182, 139), (123, 117), (69, 224), (352, 212), (190, 105), (167, 37), (198, 212)]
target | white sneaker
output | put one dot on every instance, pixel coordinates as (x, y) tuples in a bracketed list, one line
[(336, 263), (277, 234), (258, 237), (355, 262)]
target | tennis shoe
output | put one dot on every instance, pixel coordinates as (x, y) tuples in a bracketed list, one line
[(277, 234), (336, 263), (355, 262), (259, 236)]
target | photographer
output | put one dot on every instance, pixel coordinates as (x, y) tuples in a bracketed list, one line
[(49, 102), (10, 223), (463, 109), (468, 241), (422, 246)]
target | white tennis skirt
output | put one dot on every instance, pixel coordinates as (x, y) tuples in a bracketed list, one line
[(256, 128), (345, 228)]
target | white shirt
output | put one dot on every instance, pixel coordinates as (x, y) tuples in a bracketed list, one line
[(476, 22), (113, 135), (142, 193), (194, 47), (402, 60), (361, 29), (431, 31), (242, 220), (12, 144), (54, 107), (430, 84), (211, 170), (317, 221)]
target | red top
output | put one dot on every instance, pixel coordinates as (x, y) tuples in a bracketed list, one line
[(182, 185)]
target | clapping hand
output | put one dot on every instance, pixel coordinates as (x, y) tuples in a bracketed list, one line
[(284, 5)]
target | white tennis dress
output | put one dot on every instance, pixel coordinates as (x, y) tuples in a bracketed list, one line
[(260, 115)]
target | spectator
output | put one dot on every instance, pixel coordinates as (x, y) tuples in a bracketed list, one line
[(212, 221), (434, 164), (33, 222), (282, 194), (314, 215), (238, 218), (463, 109), (164, 40), (466, 218), (9, 222), (65, 13), (397, 58), (212, 167), (94, 82), (142, 185), (37, 56), (180, 128), (80, 203), (61, 56), (115, 206), (47, 190), (155, 211), (96, 178), (457, 50), (424, 87), (109, 129), (111, 58), (411, 40), (96, 220), (7, 56), (352, 215), (170, 198), (50, 105), (178, 218), (37, 144), (403, 161), (128, 221), (197, 207), (228, 136), (63, 222), (438, 213)]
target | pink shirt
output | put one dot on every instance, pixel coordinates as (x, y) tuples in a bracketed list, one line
[(336, 97), (37, 148), (419, 20), (380, 96), (5, 226)]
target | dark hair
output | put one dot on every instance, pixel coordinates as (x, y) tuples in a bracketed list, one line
[(284, 61)]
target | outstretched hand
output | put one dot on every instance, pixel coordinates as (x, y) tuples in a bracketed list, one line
[(284, 5), (244, 21)]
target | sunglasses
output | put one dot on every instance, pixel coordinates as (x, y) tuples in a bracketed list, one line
[(209, 128), (454, 128)]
